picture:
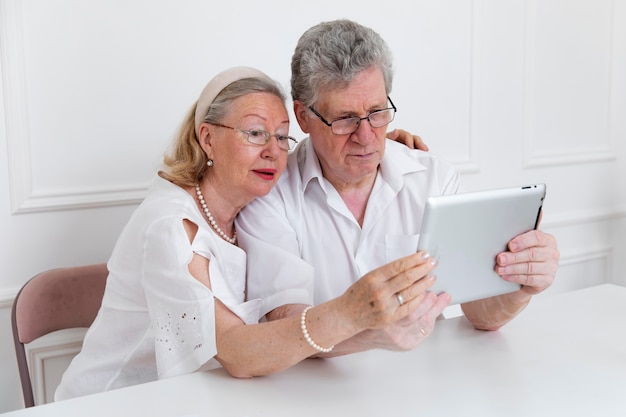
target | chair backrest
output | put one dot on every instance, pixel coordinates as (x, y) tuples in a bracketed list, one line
[(54, 300)]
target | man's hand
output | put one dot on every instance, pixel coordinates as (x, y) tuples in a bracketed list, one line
[(532, 261)]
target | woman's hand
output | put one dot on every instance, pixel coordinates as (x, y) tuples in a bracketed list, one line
[(406, 138), (391, 293), (392, 305)]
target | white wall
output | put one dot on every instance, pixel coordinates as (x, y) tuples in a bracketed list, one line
[(512, 92)]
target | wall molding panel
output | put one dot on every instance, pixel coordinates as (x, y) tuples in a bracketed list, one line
[(42, 200), (599, 145), (24, 197), (470, 164), (574, 270), (14, 100), (577, 218), (61, 347), (7, 297), (449, 122), (604, 255)]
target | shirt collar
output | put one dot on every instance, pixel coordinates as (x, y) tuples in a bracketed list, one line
[(397, 161), (309, 163)]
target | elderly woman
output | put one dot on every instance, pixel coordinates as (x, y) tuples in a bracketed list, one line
[(174, 301)]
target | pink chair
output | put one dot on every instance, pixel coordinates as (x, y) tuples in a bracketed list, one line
[(53, 300)]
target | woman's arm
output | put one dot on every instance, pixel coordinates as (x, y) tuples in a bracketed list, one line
[(370, 303)]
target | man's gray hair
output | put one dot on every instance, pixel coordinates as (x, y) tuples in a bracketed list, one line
[(330, 54)]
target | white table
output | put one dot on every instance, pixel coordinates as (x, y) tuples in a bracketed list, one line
[(564, 356)]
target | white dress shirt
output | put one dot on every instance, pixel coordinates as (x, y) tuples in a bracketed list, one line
[(305, 246), (156, 319)]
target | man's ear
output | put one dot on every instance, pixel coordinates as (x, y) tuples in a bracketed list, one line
[(300, 111)]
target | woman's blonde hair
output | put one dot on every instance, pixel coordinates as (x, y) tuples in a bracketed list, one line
[(185, 163)]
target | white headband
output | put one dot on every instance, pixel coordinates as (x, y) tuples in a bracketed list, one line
[(217, 84)]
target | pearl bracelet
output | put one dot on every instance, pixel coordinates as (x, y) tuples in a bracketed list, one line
[(307, 336)]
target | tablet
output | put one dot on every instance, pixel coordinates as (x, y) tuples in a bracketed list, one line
[(466, 231)]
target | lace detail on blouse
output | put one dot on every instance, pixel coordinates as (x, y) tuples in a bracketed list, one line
[(178, 332)]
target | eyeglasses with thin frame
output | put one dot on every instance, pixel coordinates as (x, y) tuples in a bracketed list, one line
[(349, 125), (261, 137)]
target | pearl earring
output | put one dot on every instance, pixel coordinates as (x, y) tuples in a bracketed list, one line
[(209, 163)]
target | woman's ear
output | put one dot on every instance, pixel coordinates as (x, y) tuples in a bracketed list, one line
[(300, 111), (205, 138)]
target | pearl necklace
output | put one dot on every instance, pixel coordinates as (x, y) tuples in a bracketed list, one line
[(212, 221)]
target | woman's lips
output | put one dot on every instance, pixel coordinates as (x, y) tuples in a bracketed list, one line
[(266, 174)]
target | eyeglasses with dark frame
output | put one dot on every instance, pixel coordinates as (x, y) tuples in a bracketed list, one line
[(349, 125), (261, 137)]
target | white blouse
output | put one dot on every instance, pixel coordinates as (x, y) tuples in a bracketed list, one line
[(156, 319)]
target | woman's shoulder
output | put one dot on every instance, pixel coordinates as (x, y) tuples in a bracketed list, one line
[(168, 196), (165, 201)]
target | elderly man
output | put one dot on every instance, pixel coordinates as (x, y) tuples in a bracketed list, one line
[(351, 201)]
